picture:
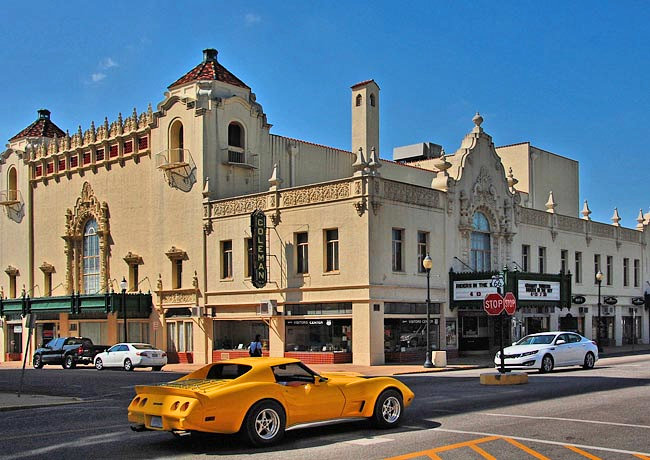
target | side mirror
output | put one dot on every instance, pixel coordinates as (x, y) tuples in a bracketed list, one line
[(559, 342), (514, 343)]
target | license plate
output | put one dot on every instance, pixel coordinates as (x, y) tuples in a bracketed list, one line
[(154, 355), (156, 421)]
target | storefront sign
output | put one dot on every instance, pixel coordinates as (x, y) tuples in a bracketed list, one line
[(258, 232), (473, 289), (638, 301), (579, 299), (18, 329), (309, 322), (609, 300), (538, 290)]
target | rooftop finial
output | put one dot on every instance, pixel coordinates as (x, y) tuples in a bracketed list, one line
[(586, 211), (210, 54), (478, 119), (550, 204), (616, 218)]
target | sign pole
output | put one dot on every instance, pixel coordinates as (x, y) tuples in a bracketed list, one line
[(502, 369), (31, 319)]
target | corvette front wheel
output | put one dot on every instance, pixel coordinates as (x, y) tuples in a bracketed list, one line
[(264, 424), (388, 409)]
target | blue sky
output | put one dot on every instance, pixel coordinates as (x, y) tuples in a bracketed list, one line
[(570, 77)]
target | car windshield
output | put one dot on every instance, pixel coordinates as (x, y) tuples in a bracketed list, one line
[(142, 346), (537, 339)]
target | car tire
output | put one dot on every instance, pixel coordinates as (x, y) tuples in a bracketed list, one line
[(156, 368), (547, 364), (128, 365), (68, 362), (99, 364), (264, 423), (590, 360), (37, 362), (389, 408)]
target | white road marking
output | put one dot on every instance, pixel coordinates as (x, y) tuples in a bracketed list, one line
[(544, 441), (369, 441), (80, 442), (630, 425), (57, 433)]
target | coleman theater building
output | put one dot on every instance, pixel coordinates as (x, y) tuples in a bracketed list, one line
[(195, 228)]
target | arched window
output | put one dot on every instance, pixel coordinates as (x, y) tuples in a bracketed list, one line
[(358, 101), (12, 185), (176, 144), (91, 258), (480, 253), (235, 135), (372, 100)]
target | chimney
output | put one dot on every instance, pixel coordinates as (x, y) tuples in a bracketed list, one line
[(43, 114), (210, 54)]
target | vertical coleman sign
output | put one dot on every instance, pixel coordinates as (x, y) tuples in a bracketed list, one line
[(258, 231)]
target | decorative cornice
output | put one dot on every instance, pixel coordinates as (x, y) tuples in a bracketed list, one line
[(133, 259), (47, 268), (176, 254)]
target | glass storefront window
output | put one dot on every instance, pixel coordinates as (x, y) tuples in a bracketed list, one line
[(138, 331), (452, 335), (237, 335), (408, 335), (319, 335), (95, 331), (179, 336)]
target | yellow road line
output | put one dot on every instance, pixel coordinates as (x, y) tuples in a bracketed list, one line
[(526, 449), (583, 453), (482, 453), (642, 457), (458, 445)]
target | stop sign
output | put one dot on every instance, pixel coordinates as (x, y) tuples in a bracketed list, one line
[(510, 303), (493, 304)]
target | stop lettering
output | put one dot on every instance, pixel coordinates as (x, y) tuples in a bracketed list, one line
[(510, 303), (493, 304)]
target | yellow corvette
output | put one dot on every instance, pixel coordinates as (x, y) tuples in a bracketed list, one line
[(261, 397)]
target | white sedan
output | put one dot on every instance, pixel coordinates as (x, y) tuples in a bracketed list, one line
[(547, 350), (131, 355)]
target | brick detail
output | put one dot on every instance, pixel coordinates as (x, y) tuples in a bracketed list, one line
[(223, 355), (319, 357), (99, 155), (128, 147), (112, 151), (143, 143), (179, 357)]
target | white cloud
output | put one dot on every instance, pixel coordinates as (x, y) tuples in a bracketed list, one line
[(251, 19), (98, 76), (107, 63)]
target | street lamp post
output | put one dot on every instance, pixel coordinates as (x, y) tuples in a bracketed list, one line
[(427, 263), (123, 287), (599, 280)]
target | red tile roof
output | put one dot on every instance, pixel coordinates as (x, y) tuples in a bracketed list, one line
[(42, 127), (362, 83), (209, 69)]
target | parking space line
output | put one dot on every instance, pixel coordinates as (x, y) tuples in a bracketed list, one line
[(642, 457), (481, 452), (526, 449), (598, 422), (436, 450), (583, 453), (544, 441)]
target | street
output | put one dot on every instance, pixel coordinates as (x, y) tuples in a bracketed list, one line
[(568, 414)]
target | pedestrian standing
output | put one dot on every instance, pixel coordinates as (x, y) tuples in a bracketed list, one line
[(255, 348)]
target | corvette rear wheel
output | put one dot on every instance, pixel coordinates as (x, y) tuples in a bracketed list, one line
[(388, 409), (264, 424)]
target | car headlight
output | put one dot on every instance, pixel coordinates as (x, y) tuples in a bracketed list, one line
[(528, 353), (498, 354)]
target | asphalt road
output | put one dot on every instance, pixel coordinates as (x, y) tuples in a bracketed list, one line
[(569, 414)]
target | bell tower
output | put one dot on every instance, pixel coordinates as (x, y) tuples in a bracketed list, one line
[(365, 117)]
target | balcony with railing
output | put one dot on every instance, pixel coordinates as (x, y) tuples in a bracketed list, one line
[(10, 197), (178, 167), (237, 156)]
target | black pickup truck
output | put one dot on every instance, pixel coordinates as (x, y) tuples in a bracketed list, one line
[(67, 351)]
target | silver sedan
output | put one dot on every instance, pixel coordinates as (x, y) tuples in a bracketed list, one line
[(547, 350)]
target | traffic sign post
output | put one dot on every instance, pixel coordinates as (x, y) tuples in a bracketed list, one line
[(495, 305)]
